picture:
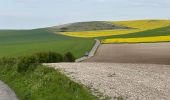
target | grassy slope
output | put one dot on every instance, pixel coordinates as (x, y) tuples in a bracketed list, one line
[(22, 42), (149, 33), (43, 83)]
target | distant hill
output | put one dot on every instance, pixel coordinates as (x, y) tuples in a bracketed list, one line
[(87, 26), (77, 38)]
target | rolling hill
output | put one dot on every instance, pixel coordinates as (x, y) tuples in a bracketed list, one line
[(15, 43), (78, 38)]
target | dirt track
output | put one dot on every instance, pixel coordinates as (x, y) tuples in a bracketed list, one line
[(131, 81), (151, 53), (6, 93), (111, 73)]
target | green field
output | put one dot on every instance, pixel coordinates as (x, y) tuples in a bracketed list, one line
[(165, 31), (15, 43)]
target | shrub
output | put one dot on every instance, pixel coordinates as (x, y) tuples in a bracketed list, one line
[(29, 62), (64, 29), (68, 57), (8, 61), (26, 63), (48, 57)]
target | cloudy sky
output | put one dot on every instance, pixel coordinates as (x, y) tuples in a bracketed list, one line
[(25, 14)]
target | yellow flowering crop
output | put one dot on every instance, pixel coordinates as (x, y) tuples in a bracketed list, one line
[(144, 24), (89, 34), (138, 40), (139, 25)]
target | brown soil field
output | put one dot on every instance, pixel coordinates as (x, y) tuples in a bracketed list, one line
[(145, 53)]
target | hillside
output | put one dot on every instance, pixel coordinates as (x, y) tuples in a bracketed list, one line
[(87, 26), (133, 27), (23, 72), (15, 43), (78, 37)]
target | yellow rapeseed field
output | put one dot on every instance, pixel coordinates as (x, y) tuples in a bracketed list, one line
[(144, 24), (138, 40), (138, 25), (90, 34)]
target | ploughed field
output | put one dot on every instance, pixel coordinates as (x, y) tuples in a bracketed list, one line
[(151, 53)]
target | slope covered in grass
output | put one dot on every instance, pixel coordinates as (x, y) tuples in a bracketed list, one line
[(23, 42), (42, 83)]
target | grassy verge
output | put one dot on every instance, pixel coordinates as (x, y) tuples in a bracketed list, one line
[(41, 83)]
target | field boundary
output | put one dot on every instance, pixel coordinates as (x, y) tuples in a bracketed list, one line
[(91, 53)]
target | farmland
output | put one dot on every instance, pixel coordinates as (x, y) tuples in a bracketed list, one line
[(78, 38), (138, 40), (155, 35), (14, 43), (131, 27)]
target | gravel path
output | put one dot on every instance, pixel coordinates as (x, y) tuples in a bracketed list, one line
[(6, 93), (131, 81), (144, 53)]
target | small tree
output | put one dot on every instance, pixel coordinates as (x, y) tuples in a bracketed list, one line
[(26, 63), (68, 57), (64, 29)]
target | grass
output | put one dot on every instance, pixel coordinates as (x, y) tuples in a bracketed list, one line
[(15, 43), (154, 35), (165, 31), (43, 83)]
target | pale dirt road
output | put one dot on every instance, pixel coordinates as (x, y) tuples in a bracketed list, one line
[(144, 53), (131, 81), (6, 93)]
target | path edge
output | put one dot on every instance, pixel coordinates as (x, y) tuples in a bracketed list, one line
[(91, 53), (10, 94)]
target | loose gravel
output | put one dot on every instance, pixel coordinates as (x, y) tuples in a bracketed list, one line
[(131, 81)]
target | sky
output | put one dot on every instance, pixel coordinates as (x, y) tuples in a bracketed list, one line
[(30, 14)]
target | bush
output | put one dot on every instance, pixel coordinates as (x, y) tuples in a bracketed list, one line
[(27, 63), (8, 61), (48, 57), (64, 29), (68, 57)]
